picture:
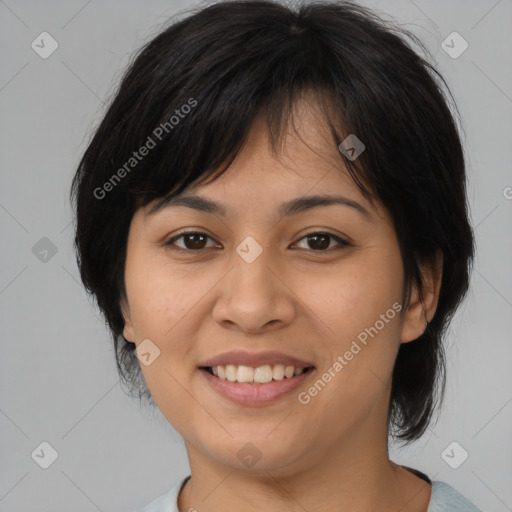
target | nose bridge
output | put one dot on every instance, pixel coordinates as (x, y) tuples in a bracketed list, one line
[(253, 268), (254, 295)]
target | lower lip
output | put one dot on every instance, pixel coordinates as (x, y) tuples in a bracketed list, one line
[(255, 394)]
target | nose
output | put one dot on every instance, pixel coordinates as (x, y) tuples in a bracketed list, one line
[(254, 297)]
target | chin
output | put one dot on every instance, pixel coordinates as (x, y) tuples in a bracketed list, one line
[(257, 454)]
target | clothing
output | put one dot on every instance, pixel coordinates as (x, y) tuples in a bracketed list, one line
[(444, 498)]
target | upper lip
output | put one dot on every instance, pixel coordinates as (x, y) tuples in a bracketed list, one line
[(241, 357)]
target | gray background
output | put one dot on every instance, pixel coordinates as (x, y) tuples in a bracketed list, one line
[(58, 378)]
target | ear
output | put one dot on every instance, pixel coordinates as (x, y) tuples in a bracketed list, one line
[(128, 331), (417, 313)]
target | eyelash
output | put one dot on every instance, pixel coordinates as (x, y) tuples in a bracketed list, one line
[(171, 242)]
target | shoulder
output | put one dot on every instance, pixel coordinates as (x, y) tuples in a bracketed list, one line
[(167, 502), (445, 498)]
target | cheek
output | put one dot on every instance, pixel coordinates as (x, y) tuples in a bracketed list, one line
[(359, 307), (160, 306), (159, 295), (150, 300), (352, 296)]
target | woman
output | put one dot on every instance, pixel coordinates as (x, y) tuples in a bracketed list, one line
[(272, 217)]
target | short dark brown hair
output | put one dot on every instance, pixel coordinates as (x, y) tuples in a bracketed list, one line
[(234, 60)]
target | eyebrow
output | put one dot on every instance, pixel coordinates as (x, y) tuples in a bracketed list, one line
[(287, 209)]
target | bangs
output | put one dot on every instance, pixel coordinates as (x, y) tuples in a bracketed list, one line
[(194, 132)]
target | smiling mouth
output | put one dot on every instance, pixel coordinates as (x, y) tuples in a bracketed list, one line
[(239, 374)]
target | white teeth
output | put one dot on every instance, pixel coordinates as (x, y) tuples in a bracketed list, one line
[(278, 372), (260, 375), (231, 371), (245, 374), (263, 374)]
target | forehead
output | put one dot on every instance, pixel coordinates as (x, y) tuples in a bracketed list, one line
[(306, 162), (306, 170)]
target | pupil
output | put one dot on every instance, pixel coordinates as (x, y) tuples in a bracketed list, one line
[(324, 245), (195, 244)]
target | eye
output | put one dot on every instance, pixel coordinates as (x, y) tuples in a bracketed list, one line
[(194, 241), (320, 241)]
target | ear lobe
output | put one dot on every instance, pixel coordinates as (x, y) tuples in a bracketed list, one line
[(423, 303), (128, 331)]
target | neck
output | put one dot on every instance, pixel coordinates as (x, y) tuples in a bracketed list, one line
[(352, 472)]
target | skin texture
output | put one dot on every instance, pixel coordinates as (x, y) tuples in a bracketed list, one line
[(307, 302)]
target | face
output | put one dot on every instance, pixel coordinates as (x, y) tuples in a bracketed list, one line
[(322, 285)]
